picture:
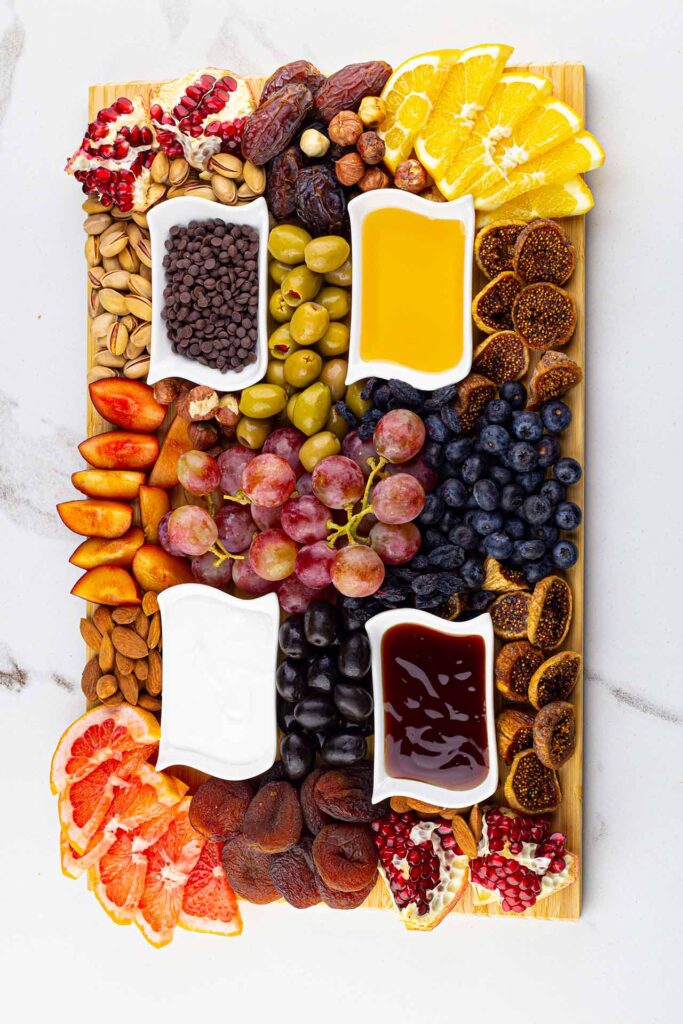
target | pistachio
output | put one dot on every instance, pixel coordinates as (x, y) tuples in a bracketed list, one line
[(139, 242), (254, 178), (129, 321), (139, 285), (111, 263), (224, 188), (140, 218), (113, 240), (226, 164), (120, 214), (112, 301), (117, 338), (92, 250), (155, 192), (101, 324), (117, 279), (106, 358), (100, 343), (137, 368), (129, 261), (204, 175), (95, 304), (99, 373), (91, 205), (178, 171), (142, 335), (139, 306), (95, 276), (244, 192), (175, 191), (145, 271), (200, 190), (96, 223), (134, 351), (160, 167)]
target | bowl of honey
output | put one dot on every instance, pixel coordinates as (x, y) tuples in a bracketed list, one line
[(412, 288), (435, 736)]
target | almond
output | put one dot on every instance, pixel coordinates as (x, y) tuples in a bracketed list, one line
[(106, 654), (153, 682), (124, 616), (399, 804), (141, 669), (116, 698), (464, 837), (476, 822), (141, 624), (102, 619), (128, 642), (154, 634), (150, 604), (107, 685), (91, 634), (124, 664), (129, 688), (149, 703), (89, 678), (422, 808)]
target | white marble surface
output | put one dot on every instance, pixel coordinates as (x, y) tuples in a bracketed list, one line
[(60, 956)]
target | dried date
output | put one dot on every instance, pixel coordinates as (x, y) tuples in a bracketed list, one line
[(295, 71), (320, 201), (281, 187), (274, 123), (347, 87)]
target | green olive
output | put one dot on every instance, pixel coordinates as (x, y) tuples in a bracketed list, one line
[(261, 401), (280, 343), (303, 367), (277, 271), (279, 309), (309, 323), (335, 340), (337, 424), (326, 253), (300, 285), (358, 406), (287, 242), (318, 447), (312, 408), (334, 375), (341, 276), (252, 433), (335, 300), (275, 374), (290, 405)]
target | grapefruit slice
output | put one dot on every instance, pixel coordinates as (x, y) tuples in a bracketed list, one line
[(170, 862), (466, 91), (409, 96), (511, 101), (69, 858), (209, 904), (570, 199), (97, 736)]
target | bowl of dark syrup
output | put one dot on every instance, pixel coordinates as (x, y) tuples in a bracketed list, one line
[(434, 708)]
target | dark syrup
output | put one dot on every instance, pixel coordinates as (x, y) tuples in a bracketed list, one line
[(434, 706)]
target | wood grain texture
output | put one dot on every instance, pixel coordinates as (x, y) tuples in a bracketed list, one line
[(568, 80)]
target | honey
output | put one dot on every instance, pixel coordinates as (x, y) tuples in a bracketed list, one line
[(412, 302)]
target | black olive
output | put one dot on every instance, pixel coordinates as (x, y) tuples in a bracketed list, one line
[(292, 637), (353, 702), (316, 713), (343, 749), (290, 680), (353, 660), (298, 755), (285, 717), (320, 623), (322, 675)]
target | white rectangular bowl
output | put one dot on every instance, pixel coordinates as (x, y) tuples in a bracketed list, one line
[(164, 362), (385, 785)]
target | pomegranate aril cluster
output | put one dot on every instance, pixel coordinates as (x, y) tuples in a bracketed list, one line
[(396, 850), (517, 884), (196, 114), (129, 148), (504, 830)]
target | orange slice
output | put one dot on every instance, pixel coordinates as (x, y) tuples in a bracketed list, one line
[(409, 96), (466, 91), (570, 199), (577, 155), (209, 904), (511, 101)]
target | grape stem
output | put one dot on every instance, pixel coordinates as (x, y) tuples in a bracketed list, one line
[(350, 527), (222, 553), (241, 498)]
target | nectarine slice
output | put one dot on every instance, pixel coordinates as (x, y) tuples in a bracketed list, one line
[(127, 403), (119, 551), (123, 484), (107, 584), (96, 518), (120, 449), (156, 570), (154, 503), (175, 444)]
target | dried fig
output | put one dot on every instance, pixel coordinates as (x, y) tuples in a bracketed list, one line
[(544, 315), (501, 357), (550, 612), (218, 808), (515, 666), (473, 394), (492, 306), (510, 613), (315, 818), (347, 87), (555, 678), (555, 733), (543, 252), (294, 71), (274, 123), (346, 797), (531, 787), (554, 375), (292, 875), (247, 871), (513, 733), (281, 182), (273, 820), (494, 246), (345, 857)]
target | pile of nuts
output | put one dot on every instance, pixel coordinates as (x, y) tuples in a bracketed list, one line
[(126, 665), (211, 417)]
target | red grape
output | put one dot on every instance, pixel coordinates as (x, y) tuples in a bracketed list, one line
[(398, 499), (359, 451), (305, 518), (304, 484), (272, 555), (231, 463), (286, 443), (418, 468), (164, 538), (266, 518), (313, 565), (357, 571), (268, 480), (338, 481), (198, 473), (205, 570), (294, 596), (192, 529), (395, 544), (399, 435), (235, 527), (248, 581)]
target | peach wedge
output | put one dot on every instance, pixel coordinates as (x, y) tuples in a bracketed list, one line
[(154, 503), (96, 518), (118, 551), (176, 443), (120, 449), (107, 584), (121, 484), (154, 569), (127, 403)]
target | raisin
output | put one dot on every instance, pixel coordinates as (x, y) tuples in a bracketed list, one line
[(246, 868), (273, 821), (346, 796), (346, 88), (313, 816), (345, 857), (281, 182), (295, 71), (218, 807), (274, 123), (320, 201), (292, 875)]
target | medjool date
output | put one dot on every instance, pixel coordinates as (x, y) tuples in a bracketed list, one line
[(274, 123), (281, 182), (346, 88), (320, 200), (294, 71)]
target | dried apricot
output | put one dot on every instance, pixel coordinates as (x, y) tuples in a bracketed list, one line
[(218, 807), (313, 816), (292, 875), (345, 856), (346, 794), (273, 820), (246, 868), (342, 900)]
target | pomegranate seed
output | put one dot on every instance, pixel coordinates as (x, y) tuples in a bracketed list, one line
[(124, 105)]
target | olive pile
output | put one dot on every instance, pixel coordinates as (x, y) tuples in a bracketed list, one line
[(324, 691)]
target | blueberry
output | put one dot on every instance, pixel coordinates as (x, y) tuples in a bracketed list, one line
[(436, 429), (498, 411), (514, 393), (553, 491), (522, 456), (531, 550), (494, 439), (556, 416), (514, 527), (469, 517), (498, 545), (458, 450), (517, 558), (548, 449), (463, 536), (433, 509), (479, 600), (527, 426), (511, 497), (500, 475), (472, 501), (565, 554), (486, 495), (473, 468), (480, 423), (536, 510), (568, 471), (451, 419), (473, 573), (487, 522), (530, 482), (536, 571), (567, 515), (546, 532), (447, 556), (432, 453), (453, 492)]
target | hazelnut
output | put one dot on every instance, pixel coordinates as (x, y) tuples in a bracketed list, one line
[(166, 391), (345, 128), (228, 411), (202, 435), (349, 169), (198, 404), (372, 111), (372, 179), (370, 147), (411, 176), (314, 143)]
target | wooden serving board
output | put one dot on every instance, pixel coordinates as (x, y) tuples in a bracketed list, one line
[(568, 80)]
